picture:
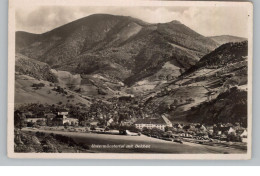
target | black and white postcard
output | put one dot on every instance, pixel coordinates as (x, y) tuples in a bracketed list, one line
[(130, 79)]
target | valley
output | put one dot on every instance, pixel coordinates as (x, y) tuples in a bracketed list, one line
[(107, 71)]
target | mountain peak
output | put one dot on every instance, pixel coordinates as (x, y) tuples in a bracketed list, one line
[(175, 22)]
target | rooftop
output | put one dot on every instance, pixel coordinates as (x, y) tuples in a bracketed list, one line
[(63, 110), (150, 121)]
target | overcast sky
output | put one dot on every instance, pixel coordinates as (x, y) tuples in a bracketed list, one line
[(208, 21)]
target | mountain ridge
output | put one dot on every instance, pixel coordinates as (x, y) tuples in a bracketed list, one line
[(128, 48), (222, 39)]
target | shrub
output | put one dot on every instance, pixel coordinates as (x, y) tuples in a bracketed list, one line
[(38, 86), (71, 96)]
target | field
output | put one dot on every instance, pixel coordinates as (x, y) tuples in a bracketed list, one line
[(141, 144)]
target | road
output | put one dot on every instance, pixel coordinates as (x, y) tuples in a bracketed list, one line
[(106, 143)]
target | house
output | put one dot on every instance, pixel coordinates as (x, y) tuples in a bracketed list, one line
[(223, 137), (159, 123), (243, 134), (73, 121), (167, 121), (28, 114), (189, 127), (63, 112), (231, 131), (178, 126), (224, 130), (201, 127), (34, 120), (93, 122), (61, 119), (210, 130), (126, 123), (110, 121)]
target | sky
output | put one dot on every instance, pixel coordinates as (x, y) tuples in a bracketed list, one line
[(208, 21)]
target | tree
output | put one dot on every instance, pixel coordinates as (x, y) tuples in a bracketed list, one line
[(49, 121), (175, 102), (156, 132), (93, 127), (146, 131), (31, 124), (41, 122), (19, 119), (66, 125), (166, 128)]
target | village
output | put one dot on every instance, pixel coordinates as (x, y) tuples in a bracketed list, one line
[(224, 135)]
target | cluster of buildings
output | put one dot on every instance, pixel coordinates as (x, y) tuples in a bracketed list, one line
[(222, 132), (59, 119), (192, 130)]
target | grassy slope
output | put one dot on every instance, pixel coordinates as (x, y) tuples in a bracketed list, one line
[(34, 68), (24, 93)]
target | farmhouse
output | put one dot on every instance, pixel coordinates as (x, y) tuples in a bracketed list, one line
[(159, 123)]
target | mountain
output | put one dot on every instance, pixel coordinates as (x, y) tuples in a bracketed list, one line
[(118, 48), (222, 39), (229, 53), (204, 86)]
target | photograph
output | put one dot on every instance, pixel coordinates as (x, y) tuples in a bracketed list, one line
[(130, 79)]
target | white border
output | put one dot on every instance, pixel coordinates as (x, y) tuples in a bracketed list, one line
[(11, 80)]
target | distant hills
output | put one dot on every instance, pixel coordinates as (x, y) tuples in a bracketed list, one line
[(222, 39)]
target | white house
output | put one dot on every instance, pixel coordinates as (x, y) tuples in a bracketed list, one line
[(159, 123), (243, 136), (231, 131), (62, 118), (110, 121)]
